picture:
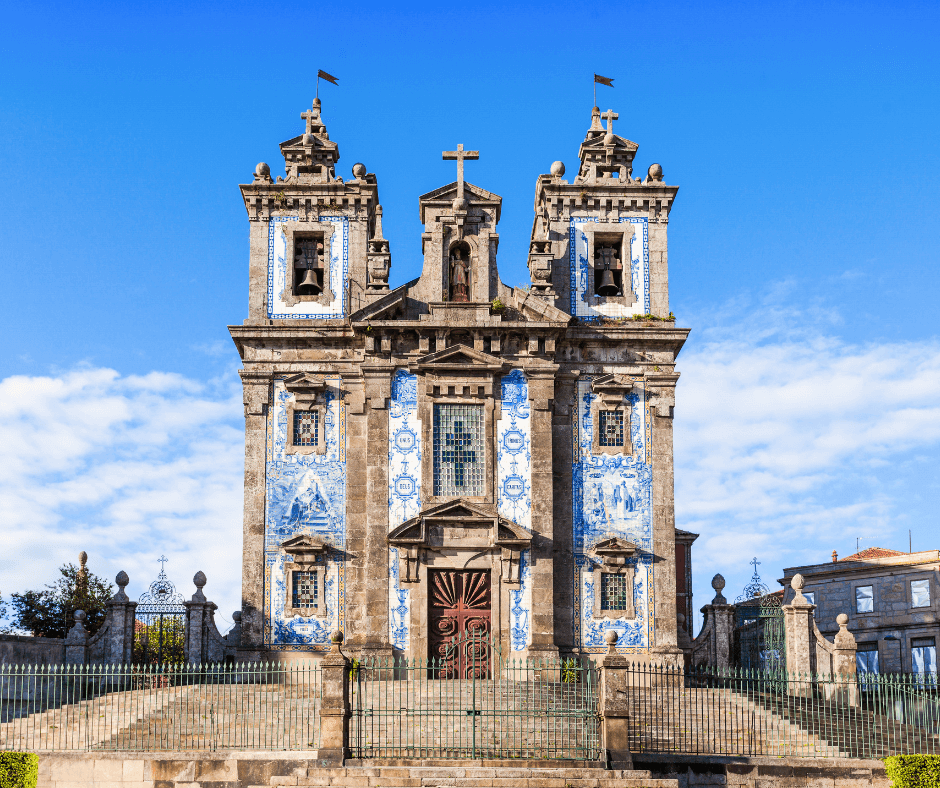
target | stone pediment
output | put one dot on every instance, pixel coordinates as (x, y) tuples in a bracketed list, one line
[(614, 551), (454, 517), (621, 144), (304, 548), (612, 387), (445, 195), (389, 307), (537, 309), (458, 358), (304, 386)]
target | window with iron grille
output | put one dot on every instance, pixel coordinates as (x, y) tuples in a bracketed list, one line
[(459, 450), (610, 432), (305, 590), (306, 427), (613, 592)]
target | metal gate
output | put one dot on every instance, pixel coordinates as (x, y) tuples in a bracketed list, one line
[(760, 635), (493, 708), (160, 623)]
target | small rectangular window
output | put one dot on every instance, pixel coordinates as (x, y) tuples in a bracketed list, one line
[(864, 599), (306, 427), (924, 655), (613, 592), (305, 590), (610, 428), (920, 593), (810, 597)]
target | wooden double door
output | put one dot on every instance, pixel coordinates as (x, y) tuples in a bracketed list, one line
[(459, 622)]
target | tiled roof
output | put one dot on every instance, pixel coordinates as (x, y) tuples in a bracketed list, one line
[(872, 552)]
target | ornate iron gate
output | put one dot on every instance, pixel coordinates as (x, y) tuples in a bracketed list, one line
[(160, 625), (760, 636)]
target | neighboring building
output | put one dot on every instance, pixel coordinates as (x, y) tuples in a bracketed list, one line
[(455, 454), (892, 600)]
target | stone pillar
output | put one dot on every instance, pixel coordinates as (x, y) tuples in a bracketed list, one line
[(844, 665), (256, 393), (121, 616), (721, 614), (563, 535), (800, 628), (614, 707), (541, 553), (334, 706), (196, 614), (76, 643)]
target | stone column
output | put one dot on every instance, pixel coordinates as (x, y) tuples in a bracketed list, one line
[(563, 533), (196, 610), (541, 553), (76, 643), (800, 630), (614, 707), (844, 665), (721, 614), (256, 393), (334, 706), (119, 648)]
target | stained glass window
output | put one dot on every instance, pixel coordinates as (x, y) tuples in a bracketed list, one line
[(306, 427), (613, 592), (920, 593), (305, 590), (459, 454), (610, 432)]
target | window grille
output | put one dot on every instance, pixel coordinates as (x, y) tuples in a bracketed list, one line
[(305, 590), (613, 592), (610, 432), (459, 450), (920, 593), (864, 599), (306, 427)]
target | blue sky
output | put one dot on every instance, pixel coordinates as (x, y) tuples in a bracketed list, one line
[(804, 247)]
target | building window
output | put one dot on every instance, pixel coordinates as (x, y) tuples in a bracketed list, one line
[(610, 432), (613, 592), (306, 427), (866, 658), (305, 590), (924, 655), (810, 597), (459, 450), (864, 599), (920, 593)]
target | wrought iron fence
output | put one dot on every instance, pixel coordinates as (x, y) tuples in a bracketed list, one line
[(471, 702), (160, 707), (749, 712)]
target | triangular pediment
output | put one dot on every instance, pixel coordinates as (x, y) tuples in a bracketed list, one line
[(304, 386), (458, 358), (304, 547), (447, 194), (621, 143), (614, 546), (461, 514), (311, 141)]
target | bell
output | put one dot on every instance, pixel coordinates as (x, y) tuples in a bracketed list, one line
[(310, 284), (607, 286)]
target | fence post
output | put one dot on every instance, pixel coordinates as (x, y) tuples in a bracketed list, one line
[(334, 705), (614, 700), (196, 623), (844, 666), (76, 643), (798, 622), (121, 614)]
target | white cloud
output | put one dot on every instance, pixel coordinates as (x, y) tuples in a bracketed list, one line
[(791, 443), (125, 468)]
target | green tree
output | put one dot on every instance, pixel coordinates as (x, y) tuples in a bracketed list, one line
[(49, 613)]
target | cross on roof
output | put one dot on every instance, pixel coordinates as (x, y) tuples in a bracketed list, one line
[(311, 115), (610, 116), (459, 455), (755, 562), (460, 154)]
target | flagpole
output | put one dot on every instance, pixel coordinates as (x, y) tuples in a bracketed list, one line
[(595, 94), (318, 87)]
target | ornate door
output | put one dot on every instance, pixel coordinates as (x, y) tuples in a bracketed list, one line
[(459, 621)]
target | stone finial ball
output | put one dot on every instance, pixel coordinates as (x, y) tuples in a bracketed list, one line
[(122, 579), (359, 169), (655, 172), (609, 139), (718, 582), (83, 558), (842, 619), (797, 583), (199, 579), (611, 637), (263, 170), (336, 637), (558, 168), (680, 618), (237, 616), (79, 616)]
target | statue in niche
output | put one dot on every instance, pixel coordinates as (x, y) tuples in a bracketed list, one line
[(459, 275)]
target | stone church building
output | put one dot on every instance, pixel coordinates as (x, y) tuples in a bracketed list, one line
[(454, 455)]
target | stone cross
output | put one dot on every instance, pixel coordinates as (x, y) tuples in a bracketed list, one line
[(610, 116), (460, 154), (309, 116)]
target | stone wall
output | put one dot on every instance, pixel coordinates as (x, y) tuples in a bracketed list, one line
[(27, 650)]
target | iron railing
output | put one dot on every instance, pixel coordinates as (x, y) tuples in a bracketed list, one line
[(473, 703), (746, 712), (160, 707)]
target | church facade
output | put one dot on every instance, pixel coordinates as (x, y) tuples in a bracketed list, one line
[(454, 455)]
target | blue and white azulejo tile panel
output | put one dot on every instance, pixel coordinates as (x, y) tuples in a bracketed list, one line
[(278, 271), (305, 494), (404, 489), (612, 496), (583, 304), (514, 489)]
